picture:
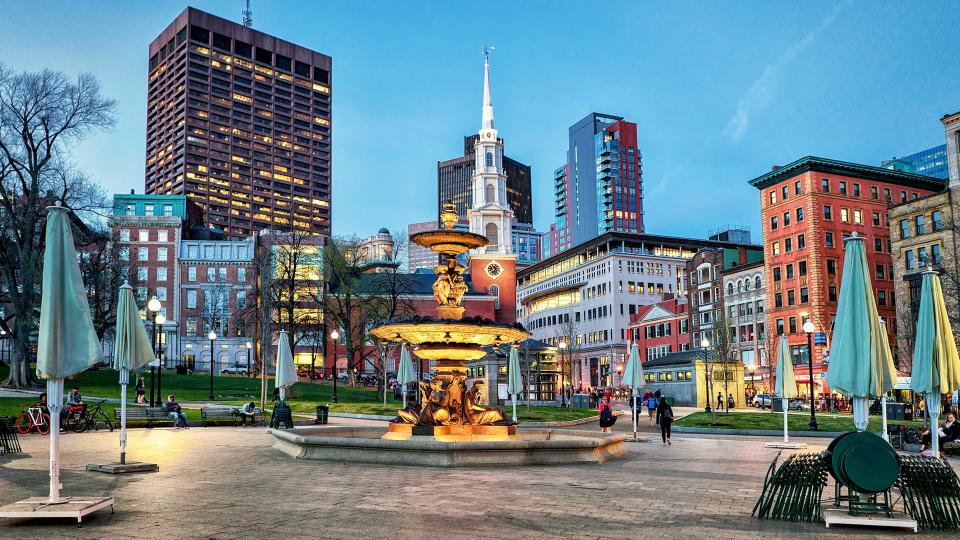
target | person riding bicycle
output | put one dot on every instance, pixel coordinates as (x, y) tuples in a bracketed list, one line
[(74, 404)]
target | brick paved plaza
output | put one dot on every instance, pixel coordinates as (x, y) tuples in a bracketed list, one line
[(229, 483)]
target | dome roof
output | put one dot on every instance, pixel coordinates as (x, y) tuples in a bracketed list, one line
[(383, 230)]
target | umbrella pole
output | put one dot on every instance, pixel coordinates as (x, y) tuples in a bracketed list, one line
[(933, 410), (124, 381), (883, 416), (282, 391), (861, 412), (54, 404), (786, 431), (633, 399), (514, 407)]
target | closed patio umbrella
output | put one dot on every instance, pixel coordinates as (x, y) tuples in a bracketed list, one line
[(132, 350), (886, 365), (286, 372), (405, 374), (936, 366), (514, 378), (67, 343), (786, 385), (856, 363), (633, 377)]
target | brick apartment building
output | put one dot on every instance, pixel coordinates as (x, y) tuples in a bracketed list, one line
[(660, 329), (808, 208)]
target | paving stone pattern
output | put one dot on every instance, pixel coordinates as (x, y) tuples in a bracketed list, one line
[(224, 482)]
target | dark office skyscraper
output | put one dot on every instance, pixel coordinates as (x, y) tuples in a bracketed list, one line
[(454, 181), (239, 121)]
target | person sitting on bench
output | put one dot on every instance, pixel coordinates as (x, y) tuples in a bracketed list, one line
[(172, 408), (950, 431), (247, 411)]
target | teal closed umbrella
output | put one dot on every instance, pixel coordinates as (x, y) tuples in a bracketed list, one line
[(132, 350), (633, 376), (936, 364), (786, 384), (405, 374), (514, 378), (67, 343), (856, 350), (286, 371)]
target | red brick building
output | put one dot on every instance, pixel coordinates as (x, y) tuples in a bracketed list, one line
[(808, 208), (661, 328)]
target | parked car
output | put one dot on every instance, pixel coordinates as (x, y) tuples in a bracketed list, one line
[(799, 405), (234, 370), (762, 401)]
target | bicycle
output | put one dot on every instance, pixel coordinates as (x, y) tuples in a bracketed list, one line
[(81, 419), (33, 418)]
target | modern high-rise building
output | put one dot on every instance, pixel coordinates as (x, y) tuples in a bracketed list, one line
[(455, 182), (929, 162), (600, 189), (239, 122), (419, 257)]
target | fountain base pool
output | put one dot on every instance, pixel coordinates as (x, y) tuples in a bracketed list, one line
[(526, 446)]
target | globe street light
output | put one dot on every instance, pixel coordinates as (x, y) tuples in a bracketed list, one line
[(159, 320), (212, 336), (704, 345), (808, 328), (563, 393), (249, 347), (335, 336), (153, 306)]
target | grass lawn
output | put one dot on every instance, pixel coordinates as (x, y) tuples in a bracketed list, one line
[(774, 421), (235, 390), (13, 406)]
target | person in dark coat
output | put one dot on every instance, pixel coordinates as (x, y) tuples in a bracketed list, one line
[(948, 432), (665, 413)]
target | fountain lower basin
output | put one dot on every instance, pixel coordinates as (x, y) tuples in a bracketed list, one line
[(528, 446)]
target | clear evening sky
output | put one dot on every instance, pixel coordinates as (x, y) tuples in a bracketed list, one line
[(720, 90)]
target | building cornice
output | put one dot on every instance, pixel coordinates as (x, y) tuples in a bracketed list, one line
[(832, 166)]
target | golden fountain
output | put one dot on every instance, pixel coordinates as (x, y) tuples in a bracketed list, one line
[(448, 411)]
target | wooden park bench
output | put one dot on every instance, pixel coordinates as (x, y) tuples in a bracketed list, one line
[(149, 415), (226, 414), (9, 443)]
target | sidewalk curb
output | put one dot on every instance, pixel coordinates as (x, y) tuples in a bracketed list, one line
[(757, 432)]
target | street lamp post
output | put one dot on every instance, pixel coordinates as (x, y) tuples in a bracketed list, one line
[(159, 320), (249, 346), (563, 393), (212, 336), (704, 345), (334, 336), (753, 387), (153, 306), (808, 328)]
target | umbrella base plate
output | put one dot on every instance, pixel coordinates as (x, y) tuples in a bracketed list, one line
[(839, 516), (75, 507), (123, 468), (786, 445)]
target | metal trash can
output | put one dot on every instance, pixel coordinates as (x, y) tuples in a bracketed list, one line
[(323, 413)]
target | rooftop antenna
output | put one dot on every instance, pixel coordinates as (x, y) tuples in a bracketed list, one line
[(248, 15)]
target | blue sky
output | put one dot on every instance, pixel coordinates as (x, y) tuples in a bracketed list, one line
[(720, 90)]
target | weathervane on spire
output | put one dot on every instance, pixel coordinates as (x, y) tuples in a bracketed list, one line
[(486, 52)]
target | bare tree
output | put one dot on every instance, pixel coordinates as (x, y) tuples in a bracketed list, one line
[(569, 333), (721, 364), (103, 272), (41, 115), (346, 301)]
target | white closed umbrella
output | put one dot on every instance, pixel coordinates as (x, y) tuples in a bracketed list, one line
[(132, 350), (405, 374), (514, 378), (286, 371), (633, 375)]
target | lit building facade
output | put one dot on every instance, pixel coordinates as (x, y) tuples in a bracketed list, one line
[(420, 258), (808, 208), (660, 329), (743, 300), (239, 122), (600, 189), (586, 295)]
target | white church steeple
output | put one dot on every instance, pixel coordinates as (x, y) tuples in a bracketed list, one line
[(490, 215)]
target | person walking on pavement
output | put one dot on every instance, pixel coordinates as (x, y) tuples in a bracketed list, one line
[(730, 402), (720, 401), (651, 405), (665, 412), (607, 419)]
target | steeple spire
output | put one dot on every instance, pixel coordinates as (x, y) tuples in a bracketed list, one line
[(487, 104)]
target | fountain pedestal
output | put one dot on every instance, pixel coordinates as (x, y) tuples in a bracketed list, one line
[(466, 433)]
